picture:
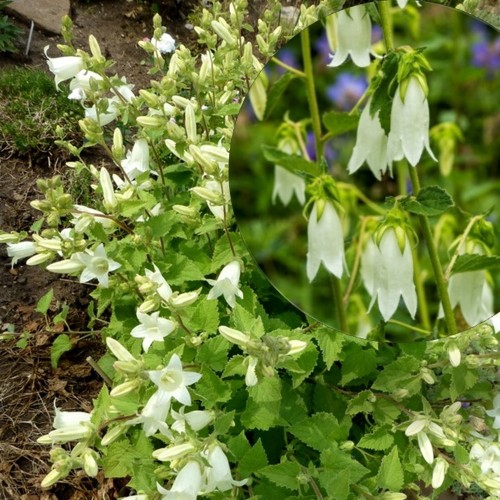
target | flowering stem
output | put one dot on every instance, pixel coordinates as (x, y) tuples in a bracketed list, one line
[(337, 298), (386, 19), (449, 317), (410, 327), (291, 69), (311, 91), (357, 260)]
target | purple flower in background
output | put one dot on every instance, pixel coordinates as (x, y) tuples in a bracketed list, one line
[(328, 151), (377, 33), (323, 48), (347, 90), (288, 57), (485, 51)]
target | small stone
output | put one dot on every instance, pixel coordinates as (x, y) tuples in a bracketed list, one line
[(46, 14)]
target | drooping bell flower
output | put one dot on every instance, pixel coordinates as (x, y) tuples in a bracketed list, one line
[(353, 31), (393, 273), (63, 68), (371, 145), (227, 284), (325, 240), (409, 133), (137, 160)]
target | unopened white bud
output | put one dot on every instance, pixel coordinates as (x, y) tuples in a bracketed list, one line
[(173, 452), (234, 336)]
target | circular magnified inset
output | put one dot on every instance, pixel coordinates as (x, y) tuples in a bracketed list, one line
[(365, 173)]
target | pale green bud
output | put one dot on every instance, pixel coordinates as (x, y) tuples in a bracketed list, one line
[(95, 49), (150, 99), (208, 166), (126, 387), (190, 212), (179, 301), (222, 29), (89, 463), (58, 472), (148, 306), (208, 195), (190, 123), (247, 59), (117, 149), (91, 129), (258, 96), (173, 452), (67, 266), (118, 350), (127, 368), (296, 347), (234, 336), (347, 445), (181, 102), (40, 258), (9, 237), (154, 121), (113, 434)]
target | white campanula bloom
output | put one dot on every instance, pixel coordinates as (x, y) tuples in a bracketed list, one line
[(488, 456), (196, 420), (165, 44), (63, 68), (251, 378), (371, 145), (154, 414), (495, 412), (137, 160), (352, 37), (402, 3), (471, 292), (226, 284), (20, 250), (163, 290), (152, 328), (108, 116), (172, 381), (187, 484), (393, 276), (409, 133), (439, 472), (286, 183), (80, 84), (84, 216), (495, 322), (218, 209), (325, 241), (68, 426), (97, 265), (218, 475)]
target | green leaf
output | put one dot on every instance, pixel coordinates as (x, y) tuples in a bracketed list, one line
[(60, 317), (246, 322), (360, 403), (182, 269), (400, 374), (161, 224), (358, 363), (293, 163), (275, 94), (330, 342), (210, 389), (320, 430), (224, 422), (380, 439), (203, 316), (229, 109), (283, 474), (385, 89), (339, 123), (430, 201), (44, 302), (253, 460), (474, 262), (263, 405), (213, 352), (118, 459), (390, 474), (61, 345), (462, 379)]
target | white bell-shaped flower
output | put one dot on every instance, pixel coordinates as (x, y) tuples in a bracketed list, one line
[(402, 3), (471, 292), (20, 250), (371, 145), (218, 475), (97, 265), (154, 414), (325, 241), (352, 36), (393, 276), (152, 328), (226, 284), (187, 484), (80, 84), (286, 184), (63, 68), (409, 133), (137, 160)]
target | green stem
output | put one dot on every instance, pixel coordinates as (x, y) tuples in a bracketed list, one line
[(410, 327), (311, 91), (401, 173), (449, 317), (291, 69), (423, 308), (339, 305), (386, 19)]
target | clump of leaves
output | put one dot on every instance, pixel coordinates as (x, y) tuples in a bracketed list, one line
[(33, 115), (8, 31)]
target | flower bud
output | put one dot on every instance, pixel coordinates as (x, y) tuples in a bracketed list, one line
[(347, 445), (234, 336), (117, 149), (208, 195), (155, 121), (118, 350), (415, 427), (149, 98), (190, 123), (296, 346), (127, 368), (126, 387), (89, 463), (67, 266), (113, 434), (221, 28), (208, 166), (173, 452), (149, 306), (40, 258), (95, 49), (179, 301), (258, 96), (454, 354), (190, 212), (181, 102), (9, 237)]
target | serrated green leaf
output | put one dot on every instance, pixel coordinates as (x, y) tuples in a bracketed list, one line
[(239, 445), (283, 474), (385, 89), (380, 439), (44, 302), (223, 253), (210, 389), (390, 474), (467, 262), (360, 403), (253, 460), (229, 109), (213, 352), (330, 342), (263, 405), (358, 362), (224, 422), (293, 163), (276, 92), (61, 345), (235, 366), (203, 316), (339, 123), (246, 322), (161, 224), (400, 374), (462, 379), (182, 269), (60, 317), (118, 459), (320, 430), (430, 201)]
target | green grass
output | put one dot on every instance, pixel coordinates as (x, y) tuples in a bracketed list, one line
[(33, 115)]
